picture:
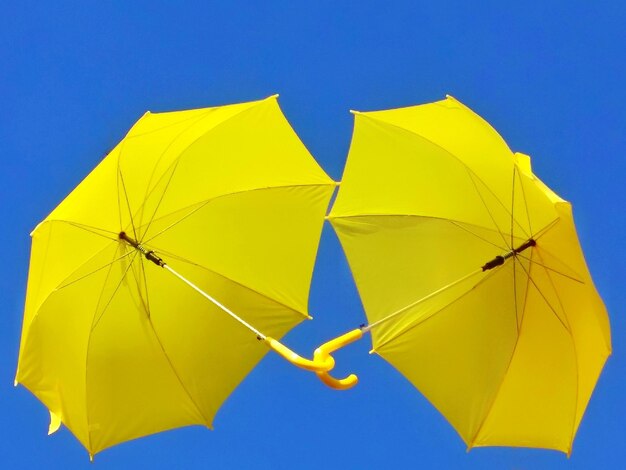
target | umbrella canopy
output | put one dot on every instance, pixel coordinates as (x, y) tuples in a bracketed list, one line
[(471, 275), (117, 348)]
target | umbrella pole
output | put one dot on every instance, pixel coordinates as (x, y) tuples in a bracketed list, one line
[(318, 364), (258, 334), (325, 350)]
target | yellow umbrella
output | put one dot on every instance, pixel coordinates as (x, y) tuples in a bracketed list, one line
[(113, 343), (471, 275)]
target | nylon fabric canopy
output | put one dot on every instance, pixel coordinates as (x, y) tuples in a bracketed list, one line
[(115, 347), (510, 355)]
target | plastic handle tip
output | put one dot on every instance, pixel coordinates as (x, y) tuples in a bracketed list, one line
[(323, 353)]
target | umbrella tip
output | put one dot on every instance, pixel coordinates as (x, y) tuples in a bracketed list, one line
[(35, 229), (353, 111), (273, 97)]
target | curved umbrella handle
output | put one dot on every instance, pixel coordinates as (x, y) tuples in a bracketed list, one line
[(323, 354), (318, 364)]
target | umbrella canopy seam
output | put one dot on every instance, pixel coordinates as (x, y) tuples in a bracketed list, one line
[(519, 332), (419, 321), (556, 292), (203, 203), (173, 166), (459, 223), (89, 336), (454, 157), (177, 159)]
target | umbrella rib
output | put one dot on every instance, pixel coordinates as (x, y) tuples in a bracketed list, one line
[(91, 229), (573, 345), (526, 291), (382, 121), (65, 279), (487, 208), (200, 205), (545, 229), (97, 320), (176, 374), (167, 185), (87, 228), (421, 300), (530, 227), (63, 286), (545, 299), (153, 131), (167, 357), (519, 332), (178, 158), (422, 320), (458, 223), (184, 260), (110, 265), (517, 322), (169, 145), (568, 328), (572, 278), (117, 184), (56, 289), (504, 374), (130, 214), (142, 288), (513, 203), (540, 234), (367, 328)]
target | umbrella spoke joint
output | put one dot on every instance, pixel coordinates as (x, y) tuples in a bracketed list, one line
[(149, 254), (500, 259)]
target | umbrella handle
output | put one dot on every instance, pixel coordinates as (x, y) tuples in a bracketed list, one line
[(318, 364), (323, 353)]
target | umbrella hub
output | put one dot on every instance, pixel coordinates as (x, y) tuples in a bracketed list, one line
[(500, 259), (149, 254)]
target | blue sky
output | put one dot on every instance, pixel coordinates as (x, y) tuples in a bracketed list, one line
[(74, 77)]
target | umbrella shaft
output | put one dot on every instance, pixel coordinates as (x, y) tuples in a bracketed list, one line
[(367, 328), (151, 256), (499, 260), (259, 335)]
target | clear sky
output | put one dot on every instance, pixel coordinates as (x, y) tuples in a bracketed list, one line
[(74, 76)]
